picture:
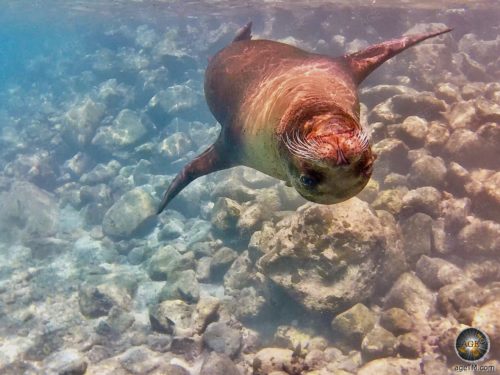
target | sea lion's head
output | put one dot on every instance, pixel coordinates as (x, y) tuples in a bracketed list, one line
[(329, 158)]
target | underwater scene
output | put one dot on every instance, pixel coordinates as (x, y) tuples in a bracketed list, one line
[(324, 204)]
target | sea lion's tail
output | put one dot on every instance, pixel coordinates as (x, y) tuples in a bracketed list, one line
[(208, 162), (362, 63)]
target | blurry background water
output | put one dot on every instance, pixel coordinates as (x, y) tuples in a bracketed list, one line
[(101, 104)]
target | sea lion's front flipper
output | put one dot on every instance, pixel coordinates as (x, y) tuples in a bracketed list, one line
[(209, 161), (245, 33), (362, 63)]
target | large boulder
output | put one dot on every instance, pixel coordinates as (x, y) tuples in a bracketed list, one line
[(129, 213), (325, 257)]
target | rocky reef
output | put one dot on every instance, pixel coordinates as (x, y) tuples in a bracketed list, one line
[(240, 275)]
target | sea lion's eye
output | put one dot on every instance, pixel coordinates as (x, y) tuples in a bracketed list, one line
[(308, 181)]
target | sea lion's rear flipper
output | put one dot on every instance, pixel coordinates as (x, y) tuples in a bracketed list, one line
[(245, 33), (209, 161), (362, 63)]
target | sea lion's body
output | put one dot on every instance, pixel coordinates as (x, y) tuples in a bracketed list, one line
[(291, 114), (250, 85)]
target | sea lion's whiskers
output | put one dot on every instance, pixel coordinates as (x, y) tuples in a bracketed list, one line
[(300, 147), (363, 139)]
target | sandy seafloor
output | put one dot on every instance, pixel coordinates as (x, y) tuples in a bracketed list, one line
[(101, 105)]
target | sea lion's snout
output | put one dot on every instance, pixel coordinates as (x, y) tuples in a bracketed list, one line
[(331, 168)]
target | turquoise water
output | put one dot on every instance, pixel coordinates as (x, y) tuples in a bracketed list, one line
[(102, 104)]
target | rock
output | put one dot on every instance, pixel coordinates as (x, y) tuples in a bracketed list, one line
[(183, 285), (81, 121), (481, 50), (391, 366), (390, 200), (412, 131), (394, 259), (119, 320), (314, 360), (127, 129), (384, 113), (375, 94), (291, 337), (28, 211), (417, 234), (487, 111), (47, 247), (428, 171), (174, 146), (425, 199), (252, 216), (487, 319), (225, 214), (255, 179), (221, 338), (434, 366), (289, 198), (395, 180), (354, 323), (99, 197), (129, 213), (448, 92), (175, 370), (410, 345), (216, 364), (392, 156), (272, 359), (462, 147), (460, 299), (422, 104), (203, 269), (239, 274), (206, 312), (65, 362), (411, 295), (455, 213), (172, 228), (473, 70), (139, 360), (101, 173), (436, 272), (166, 261), (177, 100), (136, 256), (114, 94), (480, 237), (172, 317), (325, 257), (189, 347), (221, 261), (78, 164), (96, 301), (233, 186), (396, 320), (462, 115), (370, 192), (379, 342), (437, 136), (447, 339), (489, 134), (248, 303)]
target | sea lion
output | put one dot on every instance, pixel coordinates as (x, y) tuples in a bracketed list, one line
[(291, 114)]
